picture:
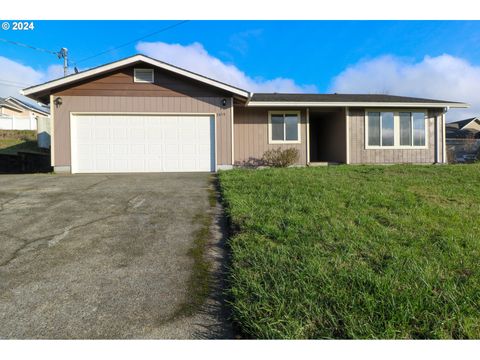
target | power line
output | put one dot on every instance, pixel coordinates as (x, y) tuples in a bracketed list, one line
[(11, 85), (133, 41), (29, 46), (60, 54), (13, 82)]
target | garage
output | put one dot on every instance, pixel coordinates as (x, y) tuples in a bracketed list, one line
[(123, 143), (140, 114)]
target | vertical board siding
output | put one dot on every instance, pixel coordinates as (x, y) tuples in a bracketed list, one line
[(127, 104), (251, 135), (360, 155)]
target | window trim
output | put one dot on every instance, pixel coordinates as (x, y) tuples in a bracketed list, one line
[(396, 128), (299, 128), (143, 81)]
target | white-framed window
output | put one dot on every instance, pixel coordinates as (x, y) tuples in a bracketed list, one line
[(396, 129), (284, 127), (143, 75)]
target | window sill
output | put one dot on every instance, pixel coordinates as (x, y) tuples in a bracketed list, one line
[(396, 147), (275, 142)]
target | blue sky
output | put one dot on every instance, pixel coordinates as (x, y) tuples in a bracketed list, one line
[(308, 56)]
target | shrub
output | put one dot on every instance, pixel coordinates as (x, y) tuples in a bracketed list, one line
[(281, 158)]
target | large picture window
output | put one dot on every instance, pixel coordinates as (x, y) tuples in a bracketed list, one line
[(284, 127), (396, 129)]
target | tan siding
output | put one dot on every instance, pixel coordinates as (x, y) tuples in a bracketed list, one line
[(137, 105), (120, 83), (251, 135), (360, 155), (10, 112)]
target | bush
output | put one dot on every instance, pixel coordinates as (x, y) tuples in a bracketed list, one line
[(281, 158)]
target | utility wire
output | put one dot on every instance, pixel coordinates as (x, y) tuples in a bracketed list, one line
[(133, 41), (13, 82), (29, 46), (11, 85)]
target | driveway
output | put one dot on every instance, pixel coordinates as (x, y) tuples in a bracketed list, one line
[(97, 256)]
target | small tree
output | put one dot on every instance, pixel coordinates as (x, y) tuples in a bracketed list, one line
[(281, 158)]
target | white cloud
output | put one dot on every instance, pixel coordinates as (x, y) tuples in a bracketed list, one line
[(444, 77), (15, 76), (240, 41), (195, 58)]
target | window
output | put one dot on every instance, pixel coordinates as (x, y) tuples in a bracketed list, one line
[(388, 132), (405, 129), (399, 129), (143, 75), (284, 127), (419, 132)]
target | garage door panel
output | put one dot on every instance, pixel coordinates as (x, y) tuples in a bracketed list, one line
[(101, 150), (140, 143), (119, 149), (119, 134)]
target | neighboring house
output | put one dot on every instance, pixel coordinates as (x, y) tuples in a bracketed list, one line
[(143, 115), (19, 115), (463, 140), (8, 109), (461, 129), (28, 109)]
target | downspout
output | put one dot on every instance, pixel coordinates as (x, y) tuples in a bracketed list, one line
[(444, 135), (307, 140), (347, 135), (232, 124)]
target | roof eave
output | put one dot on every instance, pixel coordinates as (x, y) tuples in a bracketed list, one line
[(12, 107), (355, 104), (22, 106)]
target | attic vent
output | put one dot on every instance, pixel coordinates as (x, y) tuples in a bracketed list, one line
[(143, 75)]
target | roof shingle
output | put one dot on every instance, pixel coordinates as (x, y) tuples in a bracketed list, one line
[(267, 97)]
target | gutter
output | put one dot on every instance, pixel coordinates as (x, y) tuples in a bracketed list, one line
[(355, 104)]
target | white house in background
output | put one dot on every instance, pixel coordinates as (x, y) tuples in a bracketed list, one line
[(16, 114)]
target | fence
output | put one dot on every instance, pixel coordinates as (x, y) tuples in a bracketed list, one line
[(18, 122), (462, 150), (43, 132)]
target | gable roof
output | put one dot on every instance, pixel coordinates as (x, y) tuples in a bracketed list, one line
[(260, 99), (4, 103), (377, 100), (34, 91), (460, 124), (22, 104)]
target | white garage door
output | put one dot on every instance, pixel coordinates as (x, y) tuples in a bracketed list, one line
[(142, 143)]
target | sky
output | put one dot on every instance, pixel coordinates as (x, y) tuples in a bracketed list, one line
[(432, 59)]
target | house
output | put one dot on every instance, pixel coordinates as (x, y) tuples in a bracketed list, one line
[(462, 129), (8, 109), (27, 109), (19, 115), (143, 115)]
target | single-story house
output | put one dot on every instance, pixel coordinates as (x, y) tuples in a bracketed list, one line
[(16, 114), (143, 115), (12, 106), (8, 109), (461, 129)]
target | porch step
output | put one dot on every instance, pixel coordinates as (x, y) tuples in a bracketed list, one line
[(323, 163)]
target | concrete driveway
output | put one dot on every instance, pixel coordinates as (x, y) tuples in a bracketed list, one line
[(96, 256)]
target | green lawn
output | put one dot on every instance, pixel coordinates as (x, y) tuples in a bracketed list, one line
[(12, 141), (355, 251)]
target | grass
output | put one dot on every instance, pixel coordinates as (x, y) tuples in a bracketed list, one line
[(346, 252), (12, 141)]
